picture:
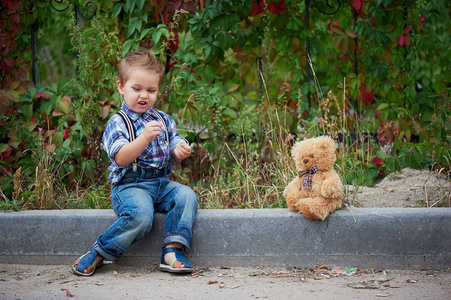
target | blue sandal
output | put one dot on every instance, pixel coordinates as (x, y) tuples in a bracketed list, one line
[(86, 261), (176, 262)]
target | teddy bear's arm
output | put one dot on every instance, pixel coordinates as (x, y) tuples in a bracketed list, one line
[(332, 186)]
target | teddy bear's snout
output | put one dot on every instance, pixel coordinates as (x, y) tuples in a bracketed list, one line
[(305, 160)]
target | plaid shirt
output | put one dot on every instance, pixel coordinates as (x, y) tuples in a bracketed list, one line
[(156, 155)]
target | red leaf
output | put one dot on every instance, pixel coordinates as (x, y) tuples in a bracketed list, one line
[(337, 28), (68, 294), (352, 33), (257, 8), (66, 133), (276, 8), (40, 95), (378, 114), (9, 169), (8, 64), (407, 29), (177, 4), (5, 154), (422, 19), (367, 97), (331, 23), (407, 40), (379, 163), (173, 43), (167, 16), (15, 18), (12, 5), (358, 4), (401, 40)]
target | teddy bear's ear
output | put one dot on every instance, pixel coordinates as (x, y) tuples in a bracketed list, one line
[(328, 143)]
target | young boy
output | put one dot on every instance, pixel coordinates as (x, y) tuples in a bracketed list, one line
[(138, 172)]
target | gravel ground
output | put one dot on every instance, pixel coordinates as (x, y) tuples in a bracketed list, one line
[(319, 282)]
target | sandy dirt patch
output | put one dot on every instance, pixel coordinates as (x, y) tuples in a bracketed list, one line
[(407, 188)]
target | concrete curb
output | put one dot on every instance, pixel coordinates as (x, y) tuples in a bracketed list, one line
[(392, 238)]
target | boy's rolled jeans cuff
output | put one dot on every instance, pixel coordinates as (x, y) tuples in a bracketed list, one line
[(177, 239), (105, 254)]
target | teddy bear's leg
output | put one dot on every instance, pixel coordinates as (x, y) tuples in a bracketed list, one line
[(291, 201), (318, 207), (292, 195)]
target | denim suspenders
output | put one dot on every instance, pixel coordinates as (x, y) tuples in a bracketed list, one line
[(132, 130)]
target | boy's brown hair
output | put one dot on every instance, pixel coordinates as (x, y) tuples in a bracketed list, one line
[(144, 59)]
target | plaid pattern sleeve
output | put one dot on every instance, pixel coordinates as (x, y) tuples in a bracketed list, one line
[(114, 137), (174, 137)]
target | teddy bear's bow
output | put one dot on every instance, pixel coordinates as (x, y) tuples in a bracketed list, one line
[(307, 181)]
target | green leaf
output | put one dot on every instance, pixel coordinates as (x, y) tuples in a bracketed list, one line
[(156, 36), (204, 135), (129, 5), (64, 105), (140, 4), (126, 47), (145, 33), (134, 25), (207, 51), (3, 147), (57, 138), (27, 110), (117, 9), (230, 112), (231, 87), (78, 148), (383, 106)]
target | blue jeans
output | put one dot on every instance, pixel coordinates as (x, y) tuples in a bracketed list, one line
[(135, 200)]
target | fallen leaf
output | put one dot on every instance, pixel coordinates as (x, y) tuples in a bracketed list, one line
[(381, 295), (221, 286), (362, 286), (99, 283), (411, 280), (134, 275), (236, 286), (224, 267), (65, 281), (68, 294), (194, 276), (115, 273), (212, 282), (201, 271)]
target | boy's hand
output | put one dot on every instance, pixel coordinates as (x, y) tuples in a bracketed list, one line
[(181, 151), (152, 130)]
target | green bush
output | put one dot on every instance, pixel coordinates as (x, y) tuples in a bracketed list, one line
[(236, 84)]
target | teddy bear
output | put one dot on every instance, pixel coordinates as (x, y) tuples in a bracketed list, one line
[(317, 191)]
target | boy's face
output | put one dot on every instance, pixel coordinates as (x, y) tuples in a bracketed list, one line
[(140, 90)]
